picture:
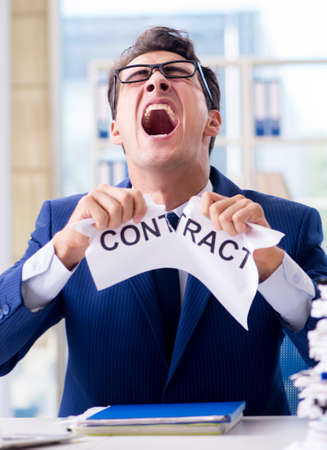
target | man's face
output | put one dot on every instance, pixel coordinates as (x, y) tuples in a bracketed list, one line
[(162, 122)]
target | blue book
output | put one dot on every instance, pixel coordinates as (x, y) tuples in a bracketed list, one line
[(164, 418)]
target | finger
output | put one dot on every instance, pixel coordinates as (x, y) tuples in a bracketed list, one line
[(252, 213), (233, 219), (131, 200), (207, 199), (134, 206), (217, 209), (87, 207), (112, 206), (126, 200)]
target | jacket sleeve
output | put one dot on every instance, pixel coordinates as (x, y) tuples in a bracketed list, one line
[(19, 327)]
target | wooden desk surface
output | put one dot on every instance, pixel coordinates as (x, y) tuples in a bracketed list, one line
[(255, 433)]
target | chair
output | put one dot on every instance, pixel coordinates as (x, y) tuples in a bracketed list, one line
[(290, 362)]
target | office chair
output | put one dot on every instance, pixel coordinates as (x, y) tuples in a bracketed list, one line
[(291, 362)]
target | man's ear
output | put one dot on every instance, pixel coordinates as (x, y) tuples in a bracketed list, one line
[(213, 124), (115, 134)]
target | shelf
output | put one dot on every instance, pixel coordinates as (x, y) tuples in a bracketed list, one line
[(279, 140), (246, 61), (264, 140), (104, 145), (104, 150)]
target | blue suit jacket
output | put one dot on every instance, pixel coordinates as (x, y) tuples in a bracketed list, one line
[(115, 338)]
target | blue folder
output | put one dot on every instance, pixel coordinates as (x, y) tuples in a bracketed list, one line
[(208, 412)]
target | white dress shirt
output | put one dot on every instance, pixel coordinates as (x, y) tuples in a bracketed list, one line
[(289, 290)]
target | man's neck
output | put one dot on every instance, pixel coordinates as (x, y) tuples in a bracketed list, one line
[(171, 188)]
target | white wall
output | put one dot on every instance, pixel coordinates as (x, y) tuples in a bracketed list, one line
[(5, 197)]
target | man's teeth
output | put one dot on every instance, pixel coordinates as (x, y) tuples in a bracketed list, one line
[(158, 107)]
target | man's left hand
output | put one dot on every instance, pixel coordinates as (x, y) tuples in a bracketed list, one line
[(232, 215)]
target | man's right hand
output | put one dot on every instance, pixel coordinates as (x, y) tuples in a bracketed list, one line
[(109, 207)]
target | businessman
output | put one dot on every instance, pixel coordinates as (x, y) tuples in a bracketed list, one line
[(137, 341)]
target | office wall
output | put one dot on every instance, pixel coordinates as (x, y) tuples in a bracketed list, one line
[(31, 140)]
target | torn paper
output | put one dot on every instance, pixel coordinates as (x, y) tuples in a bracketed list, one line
[(224, 264)]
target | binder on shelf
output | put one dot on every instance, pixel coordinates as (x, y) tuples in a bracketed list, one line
[(273, 94), (259, 107), (266, 107), (162, 418), (102, 107)]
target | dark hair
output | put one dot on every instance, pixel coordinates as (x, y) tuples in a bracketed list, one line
[(171, 40)]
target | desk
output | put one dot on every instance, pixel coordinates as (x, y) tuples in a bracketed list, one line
[(253, 433)]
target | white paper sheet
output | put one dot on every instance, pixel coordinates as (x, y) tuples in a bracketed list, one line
[(223, 263)]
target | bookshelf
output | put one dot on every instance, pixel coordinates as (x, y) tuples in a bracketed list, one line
[(238, 79)]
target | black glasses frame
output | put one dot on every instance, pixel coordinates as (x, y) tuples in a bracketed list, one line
[(196, 64)]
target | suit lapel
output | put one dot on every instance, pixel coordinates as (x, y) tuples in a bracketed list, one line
[(194, 302), (145, 291)]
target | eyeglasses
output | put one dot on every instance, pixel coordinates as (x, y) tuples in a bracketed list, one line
[(137, 73)]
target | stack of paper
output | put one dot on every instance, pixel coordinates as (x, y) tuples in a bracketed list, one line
[(163, 418)]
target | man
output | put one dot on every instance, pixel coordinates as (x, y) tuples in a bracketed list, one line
[(121, 350)]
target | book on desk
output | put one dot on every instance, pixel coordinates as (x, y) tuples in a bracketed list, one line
[(162, 418)]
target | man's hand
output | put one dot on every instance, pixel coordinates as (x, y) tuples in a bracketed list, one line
[(109, 207), (232, 214)]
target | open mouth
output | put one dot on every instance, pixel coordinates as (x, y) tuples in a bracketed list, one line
[(159, 119)]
